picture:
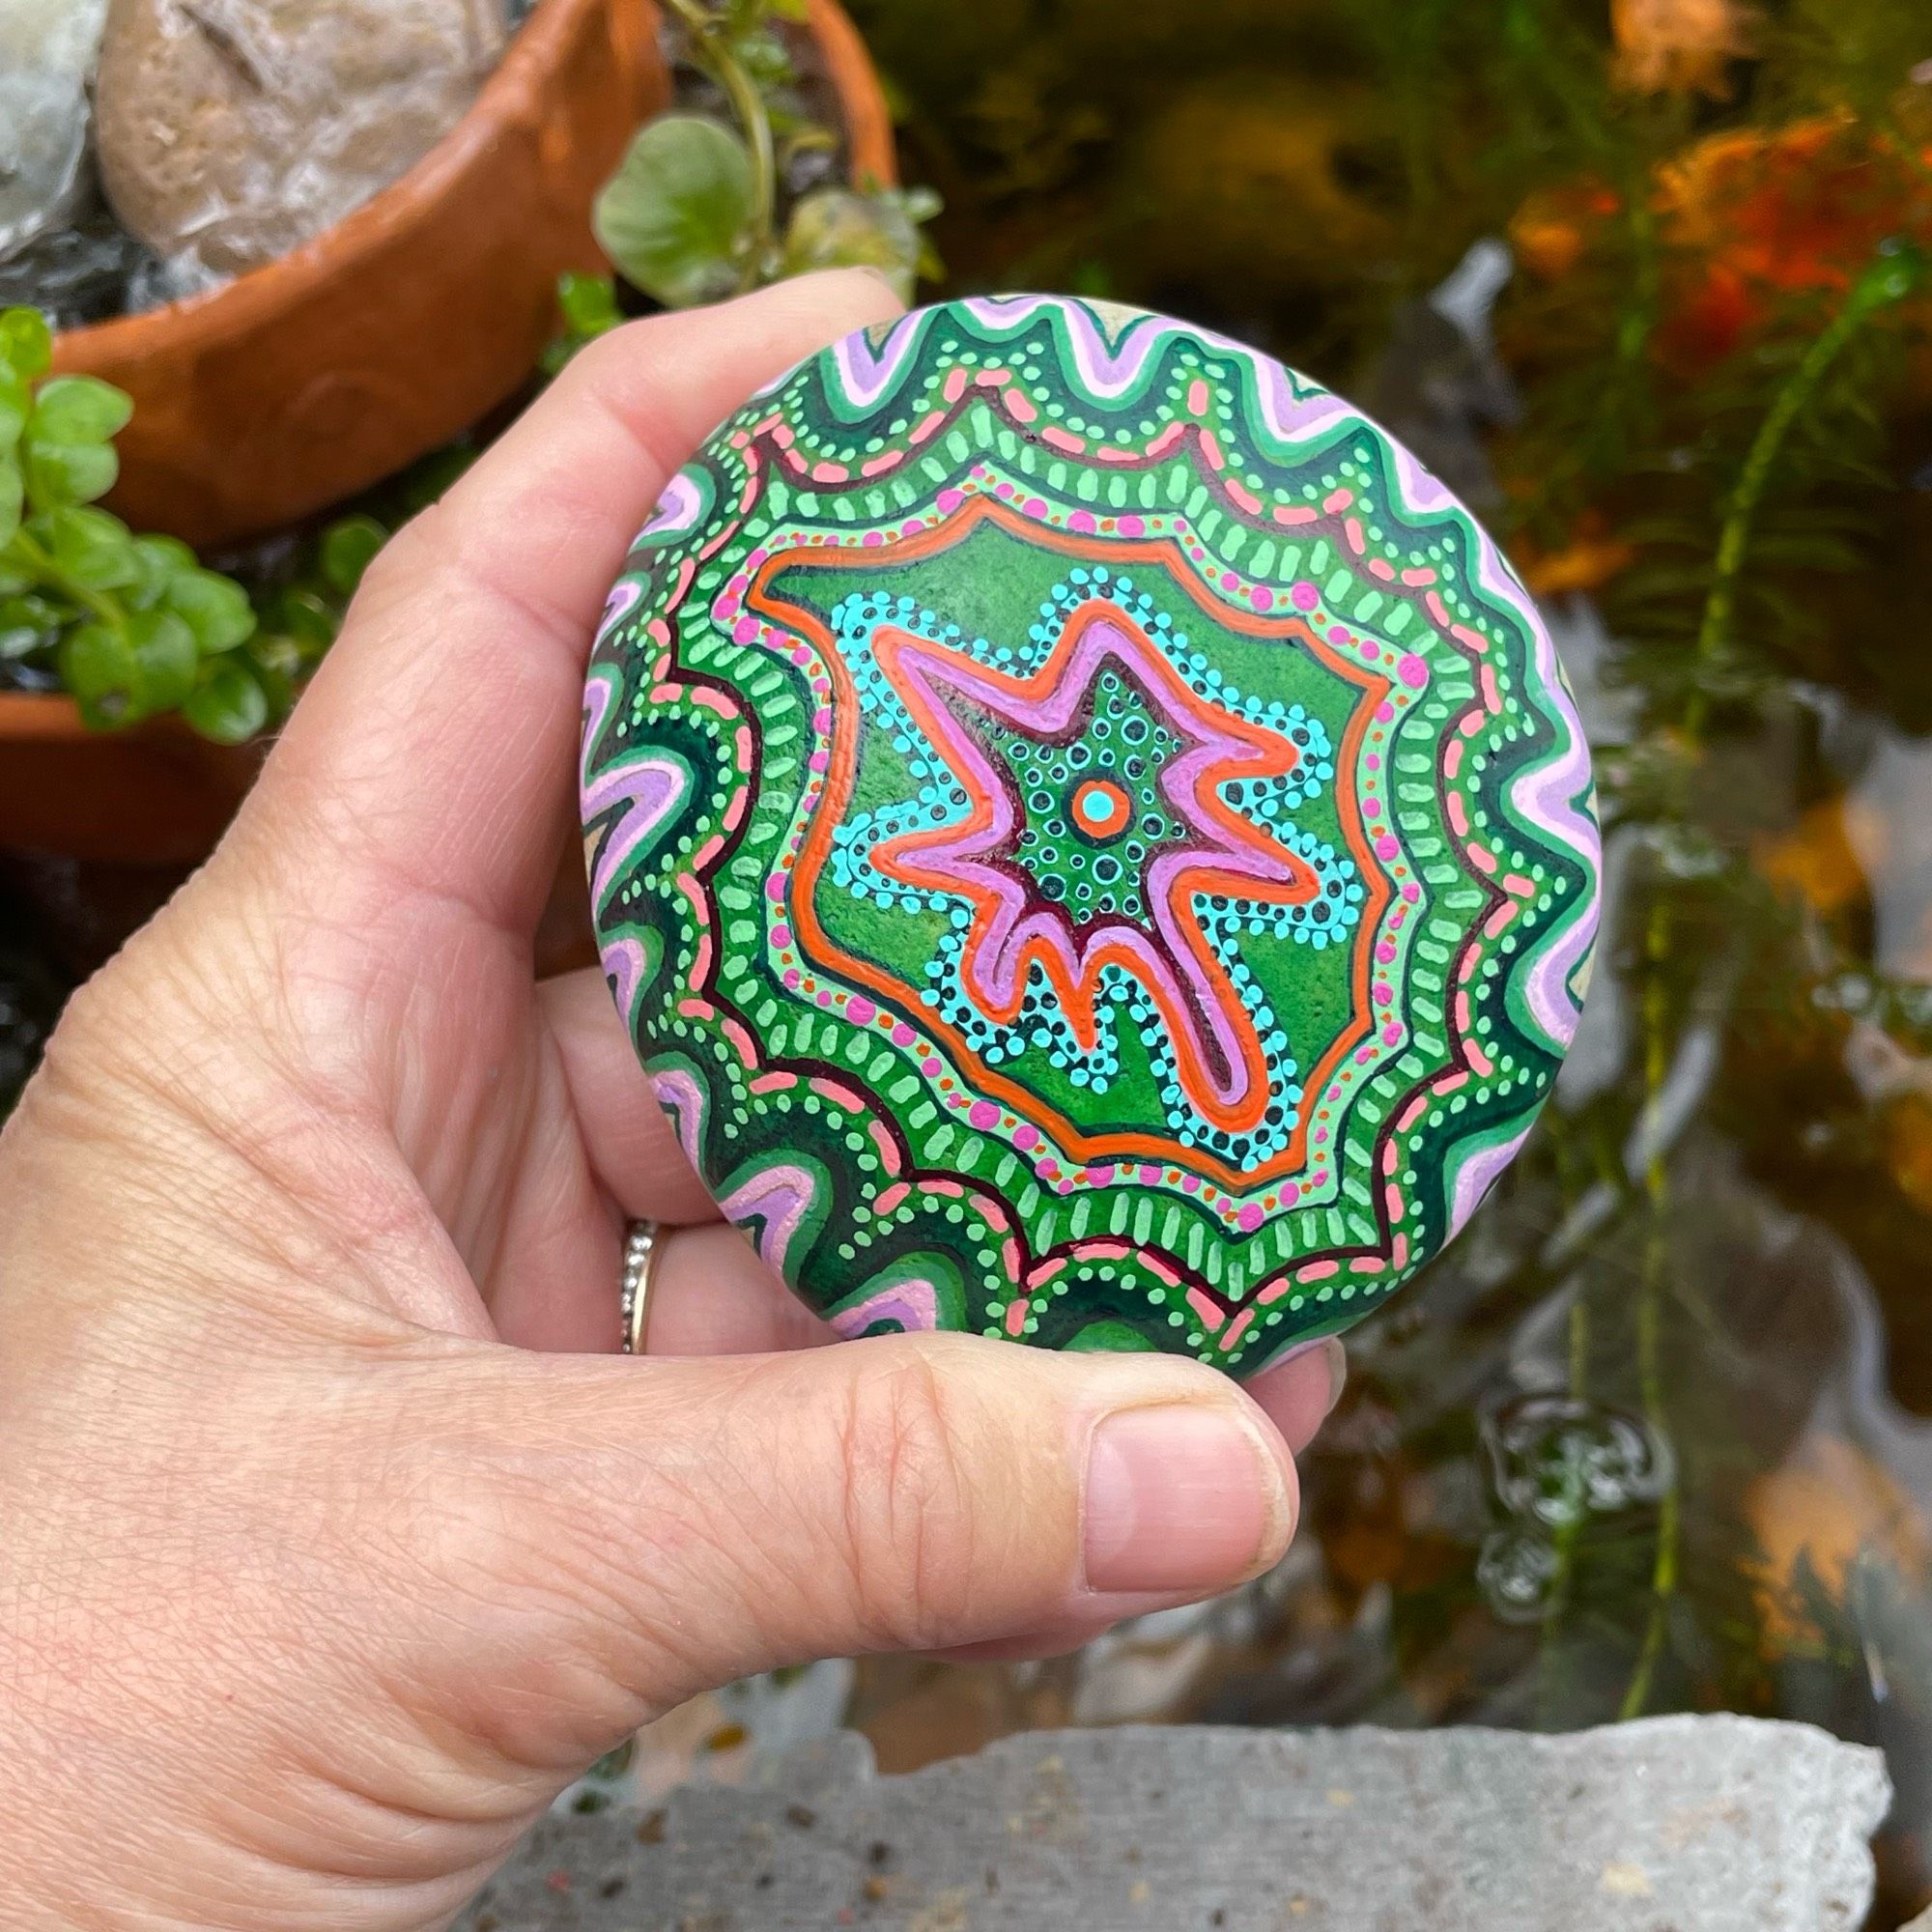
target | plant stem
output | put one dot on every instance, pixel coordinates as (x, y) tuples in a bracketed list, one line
[(747, 104), (1889, 280), (37, 559), (1650, 1311)]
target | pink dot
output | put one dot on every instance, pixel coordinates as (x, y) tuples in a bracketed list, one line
[(1412, 671), (780, 935), (775, 889), (1290, 1193), (950, 501), (1131, 527), (821, 719), (1249, 1218), (1411, 892), (1387, 847), (818, 762), (1026, 1137), (931, 1067), (902, 1034), (1264, 597), (792, 978), (1304, 596), (1385, 952), (1081, 519), (825, 999), (1033, 507), (1384, 993), (983, 1114), (1391, 1035), (861, 1010), (745, 631)]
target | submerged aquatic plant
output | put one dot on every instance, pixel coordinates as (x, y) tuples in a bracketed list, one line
[(1578, 1475)]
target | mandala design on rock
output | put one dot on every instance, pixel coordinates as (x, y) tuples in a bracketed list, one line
[(1090, 839)]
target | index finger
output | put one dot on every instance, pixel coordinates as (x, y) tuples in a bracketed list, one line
[(434, 748)]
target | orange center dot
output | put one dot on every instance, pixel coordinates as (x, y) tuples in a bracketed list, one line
[(1100, 808)]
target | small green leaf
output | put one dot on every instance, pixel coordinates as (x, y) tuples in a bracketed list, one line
[(80, 410), (165, 660), (26, 343), (590, 304), (12, 501), (16, 404), (98, 667), (676, 217), (90, 548), (216, 609), (62, 474), (159, 561), (308, 621), (231, 706), (836, 228), (348, 550)]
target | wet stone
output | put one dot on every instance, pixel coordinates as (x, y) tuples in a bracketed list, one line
[(232, 131), (47, 51)]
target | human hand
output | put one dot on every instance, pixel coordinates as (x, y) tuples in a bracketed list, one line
[(334, 1540)]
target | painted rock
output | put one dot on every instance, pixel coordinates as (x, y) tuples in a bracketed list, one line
[(1091, 841)]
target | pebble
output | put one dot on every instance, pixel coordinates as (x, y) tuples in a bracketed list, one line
[(231, 131)]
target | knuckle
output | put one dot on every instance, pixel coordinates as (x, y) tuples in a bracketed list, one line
[(909, 1500)]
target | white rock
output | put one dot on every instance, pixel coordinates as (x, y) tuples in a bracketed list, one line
[(48, 50)]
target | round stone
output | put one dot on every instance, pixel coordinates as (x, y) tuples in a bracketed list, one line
[(1090, 839)]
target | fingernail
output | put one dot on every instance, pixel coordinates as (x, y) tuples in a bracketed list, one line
[(1337, 1358), (885, 281), (1183, 1497)]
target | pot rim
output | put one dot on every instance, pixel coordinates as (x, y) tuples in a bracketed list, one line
[(510, 93)]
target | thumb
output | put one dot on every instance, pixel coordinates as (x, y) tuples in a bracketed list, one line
[(686, 1523)]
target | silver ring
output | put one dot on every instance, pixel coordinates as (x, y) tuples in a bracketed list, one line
[(640, 1253)]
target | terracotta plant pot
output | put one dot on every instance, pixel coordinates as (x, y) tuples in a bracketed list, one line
[(311, 378), (156, 796)]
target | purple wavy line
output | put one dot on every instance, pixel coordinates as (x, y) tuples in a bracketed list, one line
[(1544, 797), (624, 965), (1476, 1177), (677, 508), (779, 1197), (644, 791), (618, 606), (681, 1097), (913, 1304), (1011, 928), (866, 372)]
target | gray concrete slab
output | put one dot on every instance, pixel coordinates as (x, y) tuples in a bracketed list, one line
[(1672, 1825)]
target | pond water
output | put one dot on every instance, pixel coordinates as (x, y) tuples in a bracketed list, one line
[(1656, 1435)]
